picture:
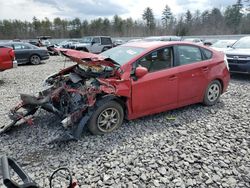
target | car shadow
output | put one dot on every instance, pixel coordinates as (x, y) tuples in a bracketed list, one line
[(29, 64)]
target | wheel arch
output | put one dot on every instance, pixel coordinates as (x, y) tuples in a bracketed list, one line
[(119, 99), (221, 83), (35, 54)]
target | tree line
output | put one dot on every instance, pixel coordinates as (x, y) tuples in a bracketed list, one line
[(235, 19)]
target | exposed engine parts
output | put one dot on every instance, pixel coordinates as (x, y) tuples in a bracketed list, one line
[(70, 94)]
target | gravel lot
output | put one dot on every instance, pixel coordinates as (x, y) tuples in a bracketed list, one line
[(203, 147)]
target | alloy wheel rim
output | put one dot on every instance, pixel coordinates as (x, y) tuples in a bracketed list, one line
[(213, 92), (108, 119), (35, 59)]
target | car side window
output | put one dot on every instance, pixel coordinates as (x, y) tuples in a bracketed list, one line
[(18, 46), (188, 54), (25, 47), (96, 40), (21, 46), (157, 60)]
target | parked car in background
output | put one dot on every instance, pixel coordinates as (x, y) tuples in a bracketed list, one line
[(162, 38), (222, 45), (52, 49), (7, 58), (43, 40), (209, 42), (238, 56), (28, 53), (67, 43), (118, 42), (93, 44), (35, 43), (195, 40)]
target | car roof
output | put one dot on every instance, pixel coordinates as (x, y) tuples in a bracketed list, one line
[(155, 44)]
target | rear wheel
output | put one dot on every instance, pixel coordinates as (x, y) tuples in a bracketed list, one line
[(35, 60), (106, 118), (213, 92)]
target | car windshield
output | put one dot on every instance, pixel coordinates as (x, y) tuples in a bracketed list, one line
[(242, 43), (86, 40), (223, 43), (123, 54)]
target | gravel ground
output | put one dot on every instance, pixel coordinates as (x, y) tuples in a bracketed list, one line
[(202, 147)]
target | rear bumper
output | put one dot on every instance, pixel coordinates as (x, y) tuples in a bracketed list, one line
[(8, 65)]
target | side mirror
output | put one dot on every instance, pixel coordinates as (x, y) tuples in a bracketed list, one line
[(92, 42), (229, 46), (140, 72)]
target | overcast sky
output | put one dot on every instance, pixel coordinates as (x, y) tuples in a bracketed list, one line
[(90, 9)]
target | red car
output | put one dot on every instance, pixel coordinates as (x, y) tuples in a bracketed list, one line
[(7, 58), (130, 81)]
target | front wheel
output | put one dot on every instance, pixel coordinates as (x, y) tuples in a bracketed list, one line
[(106, 118), (212, 94)]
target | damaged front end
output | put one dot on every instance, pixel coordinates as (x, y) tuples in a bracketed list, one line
[(71, 94)]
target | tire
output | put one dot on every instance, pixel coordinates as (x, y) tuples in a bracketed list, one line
[(213, 93), (99, 124), (35, 60)]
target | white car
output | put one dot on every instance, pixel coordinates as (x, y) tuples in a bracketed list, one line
[(222, 45), (93, 44)]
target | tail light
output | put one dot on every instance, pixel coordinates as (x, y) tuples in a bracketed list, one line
[(12, 54)]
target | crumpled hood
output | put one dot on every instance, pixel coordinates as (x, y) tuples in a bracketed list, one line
[(90, 59), (80, 54), (238, 52)]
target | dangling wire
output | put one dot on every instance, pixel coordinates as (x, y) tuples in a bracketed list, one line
[(57, 170)]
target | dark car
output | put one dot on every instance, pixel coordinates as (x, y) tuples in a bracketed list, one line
[(28, 53), (238, 56)]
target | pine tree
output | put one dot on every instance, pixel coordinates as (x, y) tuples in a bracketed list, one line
[(148, 16), (167, 16)]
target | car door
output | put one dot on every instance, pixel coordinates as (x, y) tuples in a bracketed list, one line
[(193, 73), (157, 90), (22, 52), (96, 45)]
